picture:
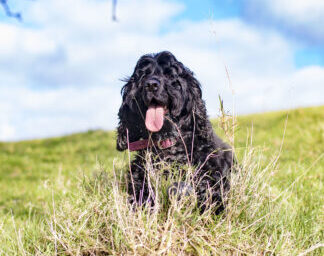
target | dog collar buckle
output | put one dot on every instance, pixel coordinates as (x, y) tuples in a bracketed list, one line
[(164, 144)]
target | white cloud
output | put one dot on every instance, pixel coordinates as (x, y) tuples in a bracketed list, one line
[(61, 73), (30, 114), (294, 89), (302, 11), (304, 18)]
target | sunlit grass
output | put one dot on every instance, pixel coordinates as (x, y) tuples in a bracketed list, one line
[(67, 196)]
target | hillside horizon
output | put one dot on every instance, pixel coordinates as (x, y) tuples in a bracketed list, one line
[(112, 130)]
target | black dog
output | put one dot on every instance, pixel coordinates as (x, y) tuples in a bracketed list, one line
[(163, 111)]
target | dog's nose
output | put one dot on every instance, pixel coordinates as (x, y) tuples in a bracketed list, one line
[(152, 85)]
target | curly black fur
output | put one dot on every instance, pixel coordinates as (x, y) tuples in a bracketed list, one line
[(180, 92)]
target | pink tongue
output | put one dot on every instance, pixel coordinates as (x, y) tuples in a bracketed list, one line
[(154, 118)]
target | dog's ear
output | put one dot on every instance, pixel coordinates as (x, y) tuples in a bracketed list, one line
[(194, 94), (196, 106), (121, 137), (121, 130), (122, 114)]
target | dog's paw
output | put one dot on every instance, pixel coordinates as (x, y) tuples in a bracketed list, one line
[(179, 190)]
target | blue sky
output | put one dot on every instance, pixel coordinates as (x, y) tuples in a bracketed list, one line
[(310, 50), (60, 68), (217, 9)]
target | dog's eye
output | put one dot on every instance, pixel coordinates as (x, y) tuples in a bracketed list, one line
[(176, 85), (171, 72)]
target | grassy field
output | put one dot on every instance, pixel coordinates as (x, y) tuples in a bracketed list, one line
[(66, 196)]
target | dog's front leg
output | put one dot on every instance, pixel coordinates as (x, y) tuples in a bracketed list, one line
[(211, 189), (139, 188)]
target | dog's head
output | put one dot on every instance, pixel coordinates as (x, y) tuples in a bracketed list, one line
[(161, 91)]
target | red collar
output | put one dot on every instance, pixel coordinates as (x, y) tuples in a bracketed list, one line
[(143, 144)]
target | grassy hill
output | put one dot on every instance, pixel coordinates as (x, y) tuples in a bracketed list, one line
[(54, 195)]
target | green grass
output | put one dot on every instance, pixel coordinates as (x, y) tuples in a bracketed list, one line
[(63, 195)]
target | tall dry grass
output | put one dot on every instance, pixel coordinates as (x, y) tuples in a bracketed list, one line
[(98, 220)]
